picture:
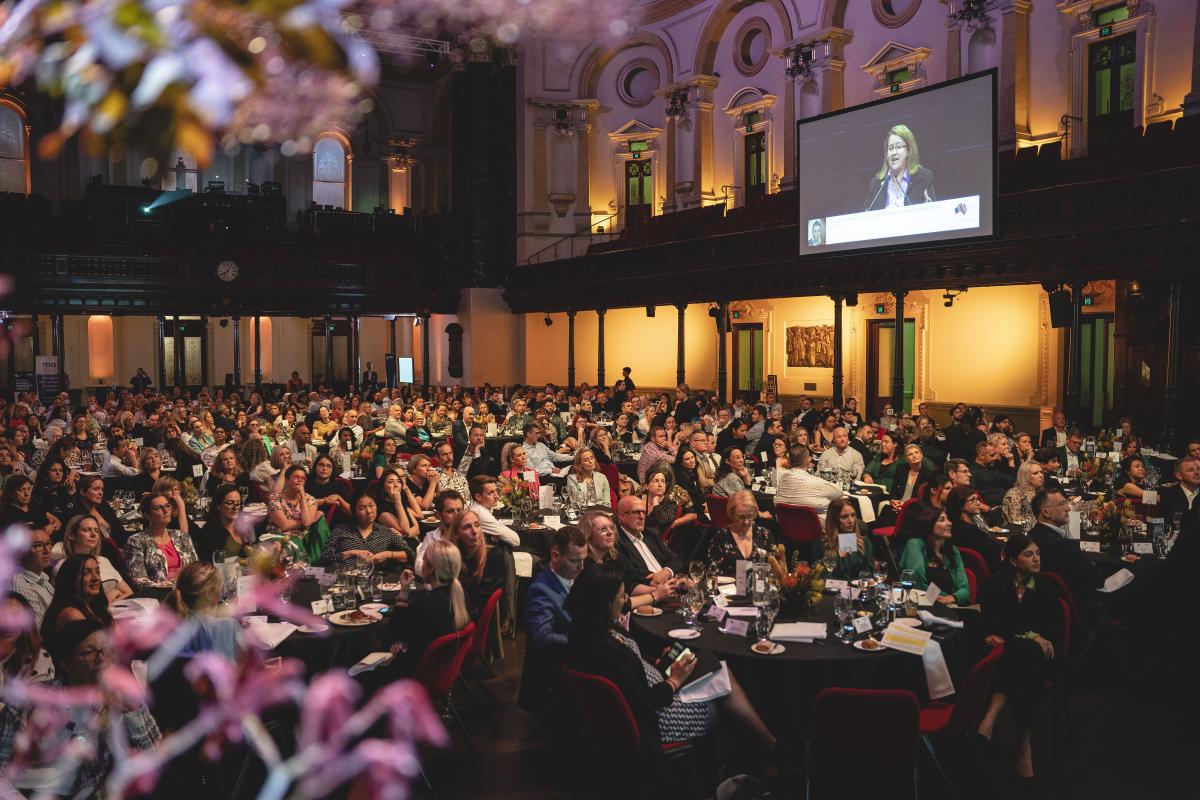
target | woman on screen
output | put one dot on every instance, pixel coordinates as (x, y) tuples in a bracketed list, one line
[(901, 181)]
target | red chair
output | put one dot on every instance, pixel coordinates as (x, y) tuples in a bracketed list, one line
[(891, 530), (838, 713), (613, 475), (605, 715), (972, 583), (439, 669), (476, 661), (1058, 688), (716, 510), (974, 560), (798, 524), (960, 718)]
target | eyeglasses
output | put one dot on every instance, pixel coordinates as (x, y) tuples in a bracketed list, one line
[(891, 148), (745, 517), (160, 508), (39, 546), (90, 653)]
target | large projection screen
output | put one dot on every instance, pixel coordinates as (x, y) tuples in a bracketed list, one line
[(916, 168)]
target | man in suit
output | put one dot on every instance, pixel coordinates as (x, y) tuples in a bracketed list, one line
[(1070, 455), (1181, 498), (643, 556), (370, 379), (1060, 554), (1056, 434), (476, 460), (460, 431), (546, 621), (706, 465)]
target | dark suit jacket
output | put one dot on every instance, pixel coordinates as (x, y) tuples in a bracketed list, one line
[(1049, 438), (459, 438), (1171, 500), (901, 478), (992, 482), (483, 464), (634, 566), (966, 534), (426, 617), (961, 439), (1063, 557), (920, 190), (547, 624), (1062, 458)]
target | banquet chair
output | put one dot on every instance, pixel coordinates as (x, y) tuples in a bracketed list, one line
[(974, 560), (798, 524), (439, 669), (613, 475), (716, 510), (614, 736), (972, 583), (1109, 628), (1058, 686), (890, 530), (476, 667), (837, 713), (961, 718)]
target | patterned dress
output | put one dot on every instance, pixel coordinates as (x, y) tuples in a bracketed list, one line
[(680, 721)]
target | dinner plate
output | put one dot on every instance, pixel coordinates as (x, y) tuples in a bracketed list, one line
[(391, 587), (647, 611), (908, 622), (372, 608), (343, 618), (684, 633), (726, 580), (535, 526), (321, 628), (765, 647), (877, 648)]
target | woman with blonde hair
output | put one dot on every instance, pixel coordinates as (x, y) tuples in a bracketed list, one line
[(424, 616), (83, 536), (1018, 501), (195, 598), (901, 180), (586, 486)]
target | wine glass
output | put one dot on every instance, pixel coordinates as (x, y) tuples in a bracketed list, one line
[(879, 570), (830, 560), (696, 570), (695, 604)]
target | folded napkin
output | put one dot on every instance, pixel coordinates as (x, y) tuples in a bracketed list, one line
[(806, 632), (1117, 580), (921, 643), (269, 635), (523, 563), (710, 687), (742, 611), (133, 607), (930, 619), (370, 662)]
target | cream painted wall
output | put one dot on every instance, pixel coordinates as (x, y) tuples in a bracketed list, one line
[(135, 342), (493, 338)]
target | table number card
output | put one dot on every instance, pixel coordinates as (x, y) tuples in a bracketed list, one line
[(863, 624), (736, 627), (847, 542), (1150, 497), (322, 606), (138, 442), (1073, 521), (740, 576), (1144, 548), (197, 470), (245, 590), (491, 429), (1089, 547)]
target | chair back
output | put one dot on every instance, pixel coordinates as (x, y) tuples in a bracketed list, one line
[(441, 664), (1066, 638), (606, 713), (613, 476), (972, 583), (902, 513), (798, 524), (1064, 591), (974, 560), (716, 510), (972, 699), (838, 713), (483, 626)]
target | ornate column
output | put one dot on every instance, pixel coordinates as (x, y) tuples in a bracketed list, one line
[(178, 353), (690, 106), (722, 320), (237, 352), (600, 312), (425, 365), (571, 350), (257, 354), (1191, 100), (898, 353), (392, 333), (1013, 86), (161, 328), (788, 181), (816, 58), (679, 362), (328, 350), (1074, 382), (838, 377), (1171, 395)]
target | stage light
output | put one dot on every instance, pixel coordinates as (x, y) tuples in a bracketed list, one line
[(548, 321)]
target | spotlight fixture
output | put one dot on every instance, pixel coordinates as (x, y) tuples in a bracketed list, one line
[(650, 311), (548, 321), (851, 299), (224, 323), (950, 295)]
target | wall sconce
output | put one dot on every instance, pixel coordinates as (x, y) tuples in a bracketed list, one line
[(562, 122)]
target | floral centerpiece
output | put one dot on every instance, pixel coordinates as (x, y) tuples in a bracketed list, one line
[(800, 586), (517, 496), (1115, 519)]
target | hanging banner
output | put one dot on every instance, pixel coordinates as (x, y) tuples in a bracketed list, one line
[(45, 370)]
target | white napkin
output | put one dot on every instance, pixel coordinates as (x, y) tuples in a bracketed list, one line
[(269, 635), (866, 510), (937, 676), (132, 607), (930, 619), (1117, 580), (710, 687), (545, 497), (742, 611), (798, 631), (523, 563), (370, 662)]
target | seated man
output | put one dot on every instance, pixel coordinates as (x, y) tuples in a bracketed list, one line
[(1061, 555), (545, 620), (30, 580), (841, 456), (643, 556), (120, 461), (989, 479), (542, 459), (1181, 498), (797, 487), (484, 498)]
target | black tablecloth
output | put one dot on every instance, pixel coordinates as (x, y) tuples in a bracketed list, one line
[(782, 687), (340, 647)]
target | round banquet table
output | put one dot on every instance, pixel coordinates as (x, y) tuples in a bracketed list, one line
[(340, 647), (782, 687)]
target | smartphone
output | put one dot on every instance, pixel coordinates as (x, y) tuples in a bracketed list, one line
[(678, 650)]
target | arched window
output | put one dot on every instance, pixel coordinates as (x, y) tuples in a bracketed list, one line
[(329, 172), (14, 154)]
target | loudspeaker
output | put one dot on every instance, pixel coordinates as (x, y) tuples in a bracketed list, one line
[(1060, 309)]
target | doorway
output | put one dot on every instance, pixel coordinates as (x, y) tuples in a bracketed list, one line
[(1112, 74), (1096, 369), (881, 336), (748, 359), (193, 333)]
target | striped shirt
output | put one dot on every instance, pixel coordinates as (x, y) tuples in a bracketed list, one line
[(36, 588), (380, 540)]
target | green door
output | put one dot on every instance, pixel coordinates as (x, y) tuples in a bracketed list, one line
[(748, 359)]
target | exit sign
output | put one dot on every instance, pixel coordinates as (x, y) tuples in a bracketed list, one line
[(637, 156), (880, 308), (895, 88), (1087, 301), (737, 315), (1105, 30)]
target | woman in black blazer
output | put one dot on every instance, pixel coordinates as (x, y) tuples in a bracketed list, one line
[(1021, 611), (597, 646), (910, 476), (431, 613)]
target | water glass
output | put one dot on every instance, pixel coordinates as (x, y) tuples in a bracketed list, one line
[(762, 624), (844, 610), (377, 588)]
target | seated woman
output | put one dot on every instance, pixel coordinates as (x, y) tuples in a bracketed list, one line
[(1130, 480), (601, 533), (882, 468), (292, 510), (909, 476), (383, 457), (82, 536), (16, 506), (396, 506), (732, 476), (22, 656), (1131, 446), (199, 438), (842, 518), (822, 437), (54, 489), (256, 463), (78, 595), (514, 466), (1021, 612), (422, 481), (329, 491), (1018, 501), (156, 555), (195, 598), (934, 559), (225, 469), (623, 430), (597, 645), (586, 486), (323, 428), (89, 500), (743, 540), (687, 477), (343, 450), (778, 461), (968, 527), (221, 531), (668, 507), (483, 570), (368, 539), (425, 615)]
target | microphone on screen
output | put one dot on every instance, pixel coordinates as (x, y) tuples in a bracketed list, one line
[(882, 183)]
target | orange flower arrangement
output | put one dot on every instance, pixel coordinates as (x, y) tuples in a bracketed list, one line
[(800, 587)]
